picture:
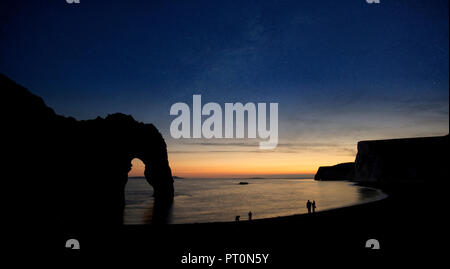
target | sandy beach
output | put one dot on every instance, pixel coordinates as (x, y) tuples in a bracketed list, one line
[(393, 221)]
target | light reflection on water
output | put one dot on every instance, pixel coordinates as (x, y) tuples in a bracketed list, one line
[(210, 200)]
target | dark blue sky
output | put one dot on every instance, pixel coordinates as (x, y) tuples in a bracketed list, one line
[(342, 70)]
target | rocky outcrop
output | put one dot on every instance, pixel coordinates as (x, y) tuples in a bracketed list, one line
[(342, 171), (402, 160), (74, 172)]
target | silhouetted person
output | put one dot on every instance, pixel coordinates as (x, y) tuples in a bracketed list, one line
[(308, 205), (250, 215), (313, 206), (237, 218)]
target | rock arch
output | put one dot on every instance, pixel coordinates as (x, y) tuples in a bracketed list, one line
[(77, 170), (114, 142)]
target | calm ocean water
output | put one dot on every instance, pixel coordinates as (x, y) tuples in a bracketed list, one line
[(211, 200)]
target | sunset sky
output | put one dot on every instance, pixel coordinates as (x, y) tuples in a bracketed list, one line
[(341, 71)]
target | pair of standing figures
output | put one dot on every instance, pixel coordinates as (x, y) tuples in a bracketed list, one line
[(311, 206)]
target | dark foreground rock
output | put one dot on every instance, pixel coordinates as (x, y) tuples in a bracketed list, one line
[(69, 172), (342, 171)]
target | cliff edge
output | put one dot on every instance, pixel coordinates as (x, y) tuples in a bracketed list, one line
[(342, 171), (402, 160)]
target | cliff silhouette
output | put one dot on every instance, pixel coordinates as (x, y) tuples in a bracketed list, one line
[(394, 161), (404, 160), (342, 171), (72, 172)]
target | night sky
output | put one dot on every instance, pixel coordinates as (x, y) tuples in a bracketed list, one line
[(341, 71)]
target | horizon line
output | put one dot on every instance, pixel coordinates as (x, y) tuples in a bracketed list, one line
[(276, 176)]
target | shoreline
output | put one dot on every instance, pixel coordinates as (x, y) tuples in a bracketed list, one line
[(330, 211), (393, 221), (375, 194)]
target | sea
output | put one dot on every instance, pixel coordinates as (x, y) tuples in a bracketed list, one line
[(200, 200)]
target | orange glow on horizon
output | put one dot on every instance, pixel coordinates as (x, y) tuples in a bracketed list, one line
[(137, 168), (245, 164)]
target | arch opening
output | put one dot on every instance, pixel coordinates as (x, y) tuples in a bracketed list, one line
[(137, 168), (139, 200)]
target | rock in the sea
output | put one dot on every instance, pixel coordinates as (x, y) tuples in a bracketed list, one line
[(71, 172), (402, 160), (342, 171)]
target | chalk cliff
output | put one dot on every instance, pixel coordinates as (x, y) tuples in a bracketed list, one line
[(402, 160)]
